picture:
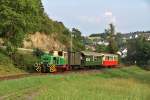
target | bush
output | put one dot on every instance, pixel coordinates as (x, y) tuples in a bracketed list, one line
[(147, 67), (25, 61), (21, 60), (139, 51), (10, 50), (38, 52)]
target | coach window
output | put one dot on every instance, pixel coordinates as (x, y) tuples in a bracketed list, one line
[(95, 58), (115, 58), (111, 58), (106, 57), (87, 59)]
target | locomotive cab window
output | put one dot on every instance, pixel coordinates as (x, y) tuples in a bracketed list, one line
[(60, 53), (54, 60), (57, 60)]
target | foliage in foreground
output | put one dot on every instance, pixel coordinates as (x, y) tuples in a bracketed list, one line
[(113, 84), (16, 63), (25, 61), (7, 67)]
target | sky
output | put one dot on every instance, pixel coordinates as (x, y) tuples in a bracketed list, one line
[(93, 16)]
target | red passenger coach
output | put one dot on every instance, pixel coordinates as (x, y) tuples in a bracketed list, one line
[(110, 60)]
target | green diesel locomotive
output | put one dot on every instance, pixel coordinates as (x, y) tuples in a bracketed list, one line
[(49, 63)]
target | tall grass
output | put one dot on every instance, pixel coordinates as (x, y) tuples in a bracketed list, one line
[(113, 84)]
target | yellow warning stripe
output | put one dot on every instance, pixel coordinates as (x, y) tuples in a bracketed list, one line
[(53, 68), (38, 69)]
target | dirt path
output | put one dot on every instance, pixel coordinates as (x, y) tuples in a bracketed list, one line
[(11, 77)]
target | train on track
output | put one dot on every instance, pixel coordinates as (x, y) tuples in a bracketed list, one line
[(63, 61)]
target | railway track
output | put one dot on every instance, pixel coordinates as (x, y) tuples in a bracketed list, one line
[(10, 77), (19, 76)]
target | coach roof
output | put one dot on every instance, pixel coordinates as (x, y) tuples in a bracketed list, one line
[(86, 53)]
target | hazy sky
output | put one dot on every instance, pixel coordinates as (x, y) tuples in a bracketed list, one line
[(93, 16)]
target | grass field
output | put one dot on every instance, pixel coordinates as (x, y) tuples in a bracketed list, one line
[(130, 83)]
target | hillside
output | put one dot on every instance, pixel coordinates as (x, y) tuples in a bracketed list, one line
[(25, 24), (43, 41), (23, 18)]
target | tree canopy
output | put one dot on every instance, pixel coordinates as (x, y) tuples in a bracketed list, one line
[(111, 37), (77, 40), (139, 51), (19, 17)]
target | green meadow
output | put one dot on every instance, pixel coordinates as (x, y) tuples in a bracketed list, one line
[(130, 83)]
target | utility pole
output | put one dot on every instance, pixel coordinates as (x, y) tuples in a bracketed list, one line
[(71, 42)]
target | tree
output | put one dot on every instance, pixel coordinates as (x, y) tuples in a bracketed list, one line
[(38, 52), (76, 33), (20, 17), (102, 48), (119, 40), (139, 51), (113, 48), (77, 40)]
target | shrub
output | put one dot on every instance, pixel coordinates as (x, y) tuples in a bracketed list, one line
[(25, 61), (38, 52)]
